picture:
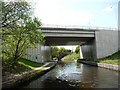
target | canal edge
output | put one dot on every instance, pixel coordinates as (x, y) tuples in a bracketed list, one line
[(28, 76), (102, 65)]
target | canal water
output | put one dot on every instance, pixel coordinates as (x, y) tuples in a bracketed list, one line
[(76, 75)]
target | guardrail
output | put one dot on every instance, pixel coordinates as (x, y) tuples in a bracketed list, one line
[(78, 27)]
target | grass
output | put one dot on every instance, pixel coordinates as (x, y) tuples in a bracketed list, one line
[(114, 62), (21, 66), (71, 57), (29, 64), (112, 59), (7, 69)]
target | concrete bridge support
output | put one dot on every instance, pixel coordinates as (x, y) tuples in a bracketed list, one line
[(39, 54), (104, 44), (88, 50)]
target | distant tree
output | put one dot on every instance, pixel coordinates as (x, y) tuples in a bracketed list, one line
[(62, 49), (67, 52), (54, 51), (77, 50), (63, 52)]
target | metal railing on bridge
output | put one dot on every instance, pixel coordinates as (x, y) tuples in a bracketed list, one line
[(78, 27)]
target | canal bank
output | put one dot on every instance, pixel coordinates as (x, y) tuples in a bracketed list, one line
[(19, 79), (102, 65)]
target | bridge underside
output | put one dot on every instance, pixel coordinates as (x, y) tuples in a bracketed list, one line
[(94, 44), (54, 41)]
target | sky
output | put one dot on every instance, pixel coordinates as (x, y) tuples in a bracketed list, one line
[(93, 13)]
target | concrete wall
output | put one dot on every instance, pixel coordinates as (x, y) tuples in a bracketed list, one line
[(89, 50), (106, 43), (39, 54)]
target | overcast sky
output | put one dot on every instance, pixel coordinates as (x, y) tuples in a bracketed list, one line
[(99, 13)]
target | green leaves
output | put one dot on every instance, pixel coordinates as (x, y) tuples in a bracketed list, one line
[(20, 31), (54, 51), (13, 13), (77, 50)]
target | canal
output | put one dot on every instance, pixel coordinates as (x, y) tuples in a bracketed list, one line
[(76, 75)]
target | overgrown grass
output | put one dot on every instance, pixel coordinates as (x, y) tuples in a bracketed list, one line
[(7, 69), (29, 64), (71, 57), (21, 66), (115, 62), (112, 59)]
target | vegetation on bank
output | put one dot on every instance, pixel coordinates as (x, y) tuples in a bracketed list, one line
[(59, 53), (71, 57), (112, 59), (7, 70), (19, 32), (22, 66)]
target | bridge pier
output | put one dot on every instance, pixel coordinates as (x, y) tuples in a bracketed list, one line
[(88, 50), (39, 54), (104, 44)]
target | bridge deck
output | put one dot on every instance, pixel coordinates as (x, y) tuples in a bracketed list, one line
[(67, 32), (67, 36)]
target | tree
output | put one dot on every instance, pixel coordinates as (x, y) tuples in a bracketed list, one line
[(14, 12), (54, 51), (20, 31), (63, 52), (67, 52), (77, 50), (62, 49)]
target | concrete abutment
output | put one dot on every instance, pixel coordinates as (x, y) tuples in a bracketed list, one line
[(104, 44)]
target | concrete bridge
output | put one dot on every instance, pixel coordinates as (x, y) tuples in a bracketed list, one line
[(95, 43)]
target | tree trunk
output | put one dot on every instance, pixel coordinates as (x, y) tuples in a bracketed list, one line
[(16, 55)]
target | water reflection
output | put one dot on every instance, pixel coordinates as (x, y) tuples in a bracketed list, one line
[(76, 75)]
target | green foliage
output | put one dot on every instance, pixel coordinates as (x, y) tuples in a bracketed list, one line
[(71, 57), (13, 13), (54, 51), (20, 31), (77, 50), (7, 70), (112, 59), (115, 62), (21, 39), (67, 52), (62, 49)]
